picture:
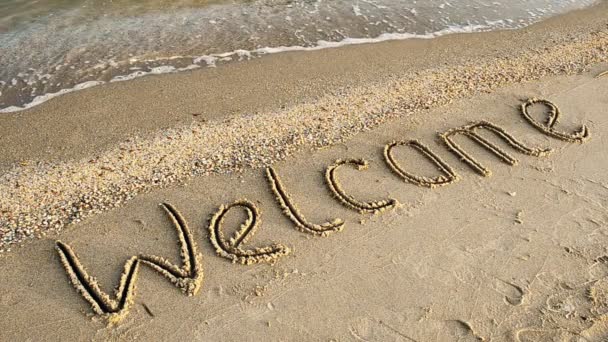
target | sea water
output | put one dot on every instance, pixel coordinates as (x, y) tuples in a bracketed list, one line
[(48, 48)]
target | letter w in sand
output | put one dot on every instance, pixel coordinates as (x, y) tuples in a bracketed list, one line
[(187, 278), (471, 132)]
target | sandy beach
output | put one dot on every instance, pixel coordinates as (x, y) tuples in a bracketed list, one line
[(491, 226)]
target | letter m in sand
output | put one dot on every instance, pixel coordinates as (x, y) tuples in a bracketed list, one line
[(471, 131)]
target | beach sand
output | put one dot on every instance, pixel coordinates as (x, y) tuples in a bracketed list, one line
[(519, 255)]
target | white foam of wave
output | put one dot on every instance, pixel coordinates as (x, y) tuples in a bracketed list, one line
[(43, 98), (322, 44), (211, 60)]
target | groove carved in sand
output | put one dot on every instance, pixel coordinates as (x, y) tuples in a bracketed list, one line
[(471, 132), (347, 200), (579, 136), (602, 74), (187, 278), (231, 249), (292, 212), (448, 175)]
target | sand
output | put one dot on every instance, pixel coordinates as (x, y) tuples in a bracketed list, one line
[(472, 232), (519, 254), (41, 197)]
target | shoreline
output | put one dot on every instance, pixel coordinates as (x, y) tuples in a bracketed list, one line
[(414, 191), (72, 54), (212, 59), (41, 196), (142, 107)]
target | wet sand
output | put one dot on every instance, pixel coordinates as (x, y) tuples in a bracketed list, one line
[(41, 196), (519, 255)]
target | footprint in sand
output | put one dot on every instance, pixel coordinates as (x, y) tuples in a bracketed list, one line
[(513, 294), (598, 332), (458, 330), (537, 335)]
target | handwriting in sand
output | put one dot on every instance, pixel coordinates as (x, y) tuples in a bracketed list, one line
[(189, 277)]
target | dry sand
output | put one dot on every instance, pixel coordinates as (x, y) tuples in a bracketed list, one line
[(41, 196), (520, 254), (516, 256)]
